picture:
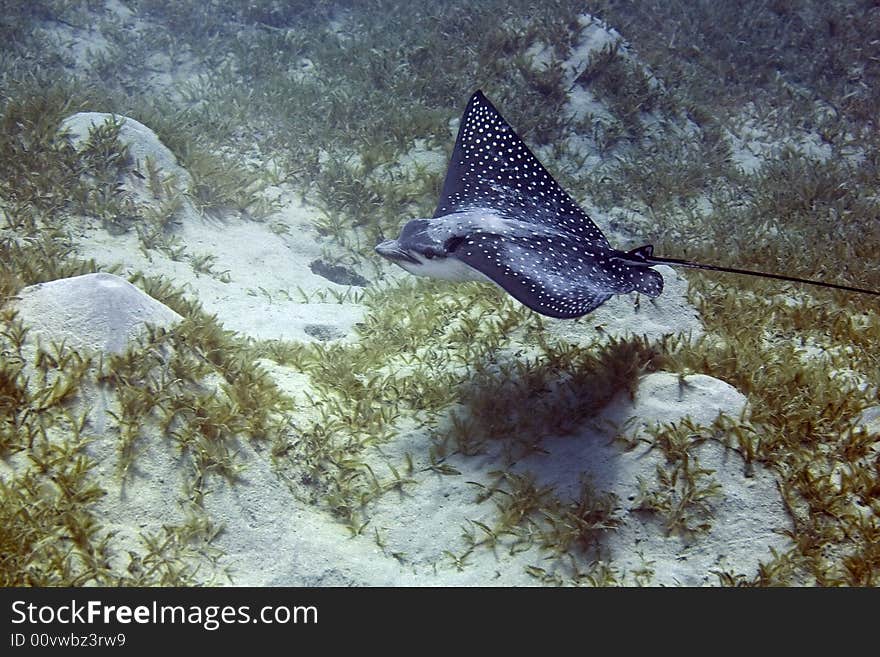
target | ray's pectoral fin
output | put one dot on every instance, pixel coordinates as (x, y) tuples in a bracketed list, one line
[(565, 278)]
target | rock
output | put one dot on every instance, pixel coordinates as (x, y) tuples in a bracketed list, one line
[(663, 397), (146, 154), (97, 312), (337, 274), (324, 332), (142, 141)]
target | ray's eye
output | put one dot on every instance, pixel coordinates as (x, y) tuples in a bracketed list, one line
[(430, 254)]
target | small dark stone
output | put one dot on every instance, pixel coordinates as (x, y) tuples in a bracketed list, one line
[(324, 332), (338, 274)]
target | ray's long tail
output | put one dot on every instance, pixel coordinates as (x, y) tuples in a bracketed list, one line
[(645, 254)]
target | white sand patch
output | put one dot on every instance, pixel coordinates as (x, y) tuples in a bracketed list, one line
[(257, 280), (267, 271)]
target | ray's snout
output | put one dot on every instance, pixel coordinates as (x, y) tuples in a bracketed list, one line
[(392, 250)]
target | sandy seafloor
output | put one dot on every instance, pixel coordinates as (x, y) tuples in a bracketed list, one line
[(273, 535)]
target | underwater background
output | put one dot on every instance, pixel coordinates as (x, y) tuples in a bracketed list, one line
[(207, 376)]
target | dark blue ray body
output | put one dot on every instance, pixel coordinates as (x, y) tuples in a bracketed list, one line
[(560, 275), (565, 267)]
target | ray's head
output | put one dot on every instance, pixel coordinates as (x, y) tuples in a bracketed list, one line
[(420, 250)]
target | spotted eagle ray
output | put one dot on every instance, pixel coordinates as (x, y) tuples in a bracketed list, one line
[(503, 218)]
